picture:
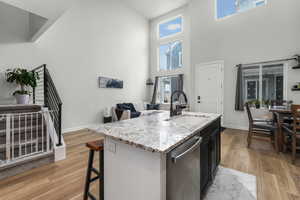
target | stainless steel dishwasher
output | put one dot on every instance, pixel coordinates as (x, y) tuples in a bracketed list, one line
[(183, 171)]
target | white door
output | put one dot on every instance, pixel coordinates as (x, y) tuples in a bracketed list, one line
[(209, 87)]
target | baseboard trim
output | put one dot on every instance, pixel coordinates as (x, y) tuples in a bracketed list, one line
[(234, 126), (78, 128)]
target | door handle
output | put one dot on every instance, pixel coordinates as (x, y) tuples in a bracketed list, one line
[(192, 148)]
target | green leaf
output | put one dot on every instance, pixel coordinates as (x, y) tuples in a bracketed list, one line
[(23, 78)]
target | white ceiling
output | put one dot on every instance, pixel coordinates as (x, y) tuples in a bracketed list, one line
[(155, 8), (52, 9)]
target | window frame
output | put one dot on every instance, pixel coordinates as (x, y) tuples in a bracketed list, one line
[(256, 88), (260, 80), (169, 39), (235, 13), (158, 38), (156, 42), (158, 92), (158, 55)]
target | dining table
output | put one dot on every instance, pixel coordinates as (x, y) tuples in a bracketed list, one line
[(282, 112)]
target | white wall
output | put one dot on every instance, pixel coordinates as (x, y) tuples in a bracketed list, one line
[(94, 38), (265, 33)]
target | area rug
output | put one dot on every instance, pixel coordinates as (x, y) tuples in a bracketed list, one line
[(230, 184)]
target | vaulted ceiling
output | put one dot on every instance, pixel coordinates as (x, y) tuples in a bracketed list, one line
[(52, 9), (155, 8)]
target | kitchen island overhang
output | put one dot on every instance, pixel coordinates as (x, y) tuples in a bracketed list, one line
[(136, 152)]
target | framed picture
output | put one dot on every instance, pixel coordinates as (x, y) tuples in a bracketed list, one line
[(105, 82)]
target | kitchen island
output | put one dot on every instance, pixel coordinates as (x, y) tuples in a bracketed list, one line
[(155, 157)]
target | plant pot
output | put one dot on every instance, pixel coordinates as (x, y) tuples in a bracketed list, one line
[(257, 106), (22, 98)]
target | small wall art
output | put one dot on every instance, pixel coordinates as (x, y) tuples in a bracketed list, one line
[(105, 82)]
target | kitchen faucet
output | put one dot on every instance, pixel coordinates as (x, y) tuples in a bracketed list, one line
[(178, 109)]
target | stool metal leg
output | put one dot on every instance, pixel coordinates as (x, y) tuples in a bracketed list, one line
[(88, 175), (101, 175)]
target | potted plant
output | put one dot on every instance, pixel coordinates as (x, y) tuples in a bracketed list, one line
[(165, 100), (257, 104), (267, 103), (23, 79), (251, 103)]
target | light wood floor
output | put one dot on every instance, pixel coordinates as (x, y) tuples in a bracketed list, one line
[(277, 179)]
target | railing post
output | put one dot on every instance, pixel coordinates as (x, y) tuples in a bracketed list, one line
[(59, 124), (45, 87), (46, 115), (52, 103), (8, 143), (33, 95)]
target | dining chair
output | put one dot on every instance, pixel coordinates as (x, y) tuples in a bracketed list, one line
[(286, 119), (261, 128), (292, 132)]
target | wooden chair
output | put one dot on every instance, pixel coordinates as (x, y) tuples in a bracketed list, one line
[(286, 119), (292, 132), (98, 147), (261, 128)]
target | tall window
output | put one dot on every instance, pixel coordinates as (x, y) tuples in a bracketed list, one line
[(170, 27), (166, 86), (229, 7), (170, 50), (263, 82), (169, 54)]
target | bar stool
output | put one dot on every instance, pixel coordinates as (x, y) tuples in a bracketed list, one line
[(95, 146)]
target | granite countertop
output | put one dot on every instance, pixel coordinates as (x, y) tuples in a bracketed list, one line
[(155, 131)]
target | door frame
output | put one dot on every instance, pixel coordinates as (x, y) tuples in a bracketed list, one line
[(221, 65)]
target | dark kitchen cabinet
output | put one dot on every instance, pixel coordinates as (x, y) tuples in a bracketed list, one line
[(210, 154), (215, 152), (204, 164)]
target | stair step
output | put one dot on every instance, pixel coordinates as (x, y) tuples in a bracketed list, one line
[(4, 109), (27, 116), (36, 128), (22, 138), (25, 150), (25, 147), (21, 120), (40, 140), (22, 124)]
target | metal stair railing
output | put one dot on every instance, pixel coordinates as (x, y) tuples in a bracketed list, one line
[(46, 94)]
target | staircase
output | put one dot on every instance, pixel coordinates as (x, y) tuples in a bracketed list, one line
[(25, 141), (30, 135)]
